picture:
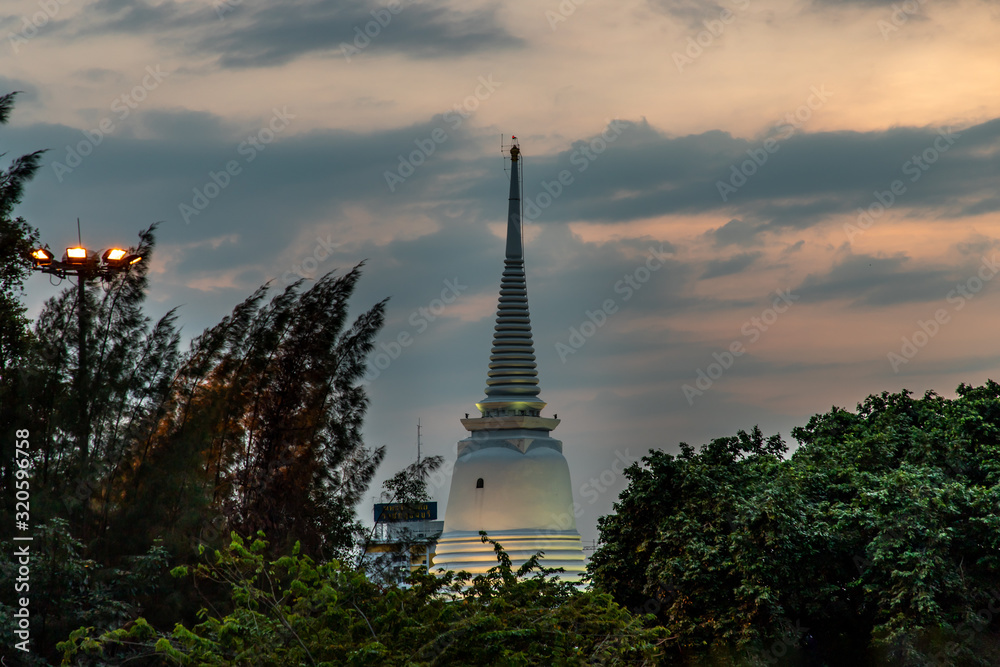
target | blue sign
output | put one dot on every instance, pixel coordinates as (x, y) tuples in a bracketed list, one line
[(393, 512)]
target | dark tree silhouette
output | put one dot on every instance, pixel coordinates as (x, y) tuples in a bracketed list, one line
[(263, 422), (16, 239)]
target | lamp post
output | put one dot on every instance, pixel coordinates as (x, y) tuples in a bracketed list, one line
[(85, 266)]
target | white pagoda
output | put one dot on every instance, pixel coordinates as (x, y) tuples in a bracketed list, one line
[(511, 478)]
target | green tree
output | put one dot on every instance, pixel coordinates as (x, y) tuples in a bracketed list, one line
[(293, 611), (409, 485), (74, 561), (258, 425), (876, 542), (67, 589)]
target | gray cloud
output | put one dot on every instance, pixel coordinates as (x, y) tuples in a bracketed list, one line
[(274, 35), (727, 267), (810, 177), (976, 245), (832, 4), (98, 74), (318, 177), (691, 12), (735, 232), (875, 280), (185, 125), (257, 33)]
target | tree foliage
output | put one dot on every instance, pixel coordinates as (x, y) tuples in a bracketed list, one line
[(131, 363), (293, 611), (876, 542), (257, 426), (262, 422), (409, 485), (17, 237), (68, 590)]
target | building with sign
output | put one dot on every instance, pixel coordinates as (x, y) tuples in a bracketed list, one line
[(403, 537), (511, 478)]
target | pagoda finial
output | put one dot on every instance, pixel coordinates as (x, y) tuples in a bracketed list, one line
[(514, 244), (512, 381)]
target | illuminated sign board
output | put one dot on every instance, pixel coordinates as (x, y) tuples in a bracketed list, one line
[(387, 512)]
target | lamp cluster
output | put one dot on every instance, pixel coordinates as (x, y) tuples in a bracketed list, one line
[(79, 261)]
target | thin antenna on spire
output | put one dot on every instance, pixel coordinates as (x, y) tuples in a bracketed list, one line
[(79, 235), (418, 442), (520, 187), (504, 154)]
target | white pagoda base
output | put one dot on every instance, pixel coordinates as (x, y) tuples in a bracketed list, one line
[(465, 550), (514, 484)]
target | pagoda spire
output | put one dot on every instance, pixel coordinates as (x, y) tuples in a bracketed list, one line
[(510, 478), (512, 380)]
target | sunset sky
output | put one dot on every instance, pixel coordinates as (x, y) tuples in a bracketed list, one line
[(810, 184)]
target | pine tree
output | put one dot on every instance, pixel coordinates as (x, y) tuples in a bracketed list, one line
[(17, 238), (263, 422)]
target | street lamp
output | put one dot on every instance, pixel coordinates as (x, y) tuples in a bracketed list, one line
[(41, 257), (79, 262), (118, 259), (85, 267)]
